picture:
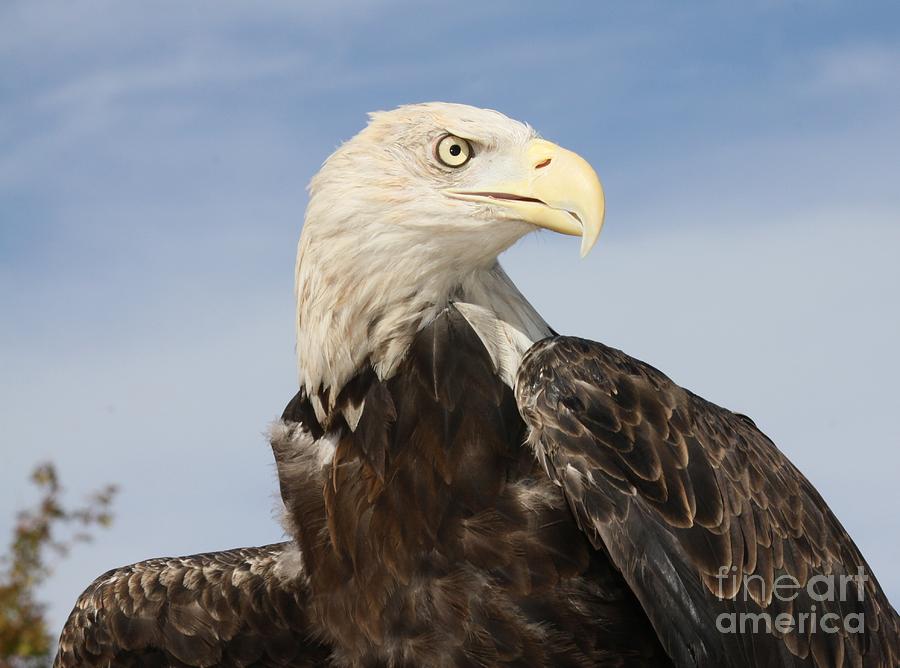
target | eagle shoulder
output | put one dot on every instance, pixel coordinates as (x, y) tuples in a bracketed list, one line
[(701, 513)]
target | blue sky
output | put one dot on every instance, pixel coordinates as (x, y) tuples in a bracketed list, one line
[(153, 164)]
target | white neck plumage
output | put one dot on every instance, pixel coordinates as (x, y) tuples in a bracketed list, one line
[(347, 320)]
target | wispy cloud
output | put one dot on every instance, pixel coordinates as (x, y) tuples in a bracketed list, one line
[(867, 65)]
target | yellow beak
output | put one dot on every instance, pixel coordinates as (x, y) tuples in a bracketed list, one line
[(558, 190)]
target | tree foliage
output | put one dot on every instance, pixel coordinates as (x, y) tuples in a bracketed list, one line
[(42, 533)]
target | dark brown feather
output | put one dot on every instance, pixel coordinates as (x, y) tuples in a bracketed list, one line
[(245, 607), (675, 488), (433, 537)]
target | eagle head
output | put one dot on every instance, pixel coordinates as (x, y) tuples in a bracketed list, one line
[(411, 214)]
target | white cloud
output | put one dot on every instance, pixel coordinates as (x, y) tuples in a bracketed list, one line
[(859, 66), (80, 29)]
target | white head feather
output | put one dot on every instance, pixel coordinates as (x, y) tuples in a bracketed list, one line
[(383, 249)]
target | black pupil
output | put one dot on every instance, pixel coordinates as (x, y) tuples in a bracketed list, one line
[(455, 150)]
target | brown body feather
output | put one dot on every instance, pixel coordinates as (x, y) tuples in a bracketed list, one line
[(439, 540), (431, 537)]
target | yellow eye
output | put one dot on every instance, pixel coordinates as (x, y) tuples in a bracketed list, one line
[(453, 151)]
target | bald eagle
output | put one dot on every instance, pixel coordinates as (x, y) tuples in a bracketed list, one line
[(464, 487)]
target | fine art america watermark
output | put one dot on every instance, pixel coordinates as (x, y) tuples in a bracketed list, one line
[(819, 588)]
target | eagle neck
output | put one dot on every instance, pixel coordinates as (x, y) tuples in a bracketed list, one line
[(349, 323)]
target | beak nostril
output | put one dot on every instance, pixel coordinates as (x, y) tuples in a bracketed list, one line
[(542, 163)]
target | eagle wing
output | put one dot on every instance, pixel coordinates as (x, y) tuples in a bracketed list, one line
[(243, 607), (707, 520)]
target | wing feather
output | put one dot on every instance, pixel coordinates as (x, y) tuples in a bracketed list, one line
[(700, 512), (235, 608)]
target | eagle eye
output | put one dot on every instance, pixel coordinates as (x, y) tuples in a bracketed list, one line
[(453, 151)]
